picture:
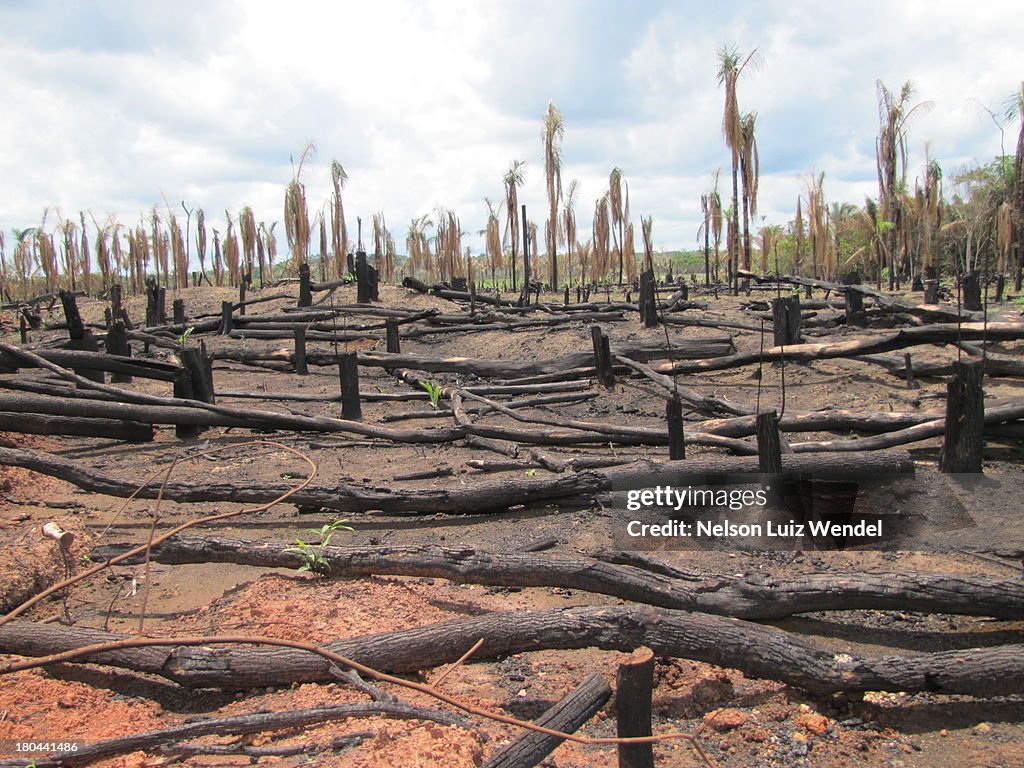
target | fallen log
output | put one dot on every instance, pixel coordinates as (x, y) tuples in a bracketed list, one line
[(754, 597), (756, 650), (192, 413), (235, 725), (110, 429), (484, 496), (923, 431), (908, 337), (567, 716), (995, 365), (98, 361)]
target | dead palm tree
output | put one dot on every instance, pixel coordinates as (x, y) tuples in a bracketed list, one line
[(201, 242), (86, 258), (894, 113), (750, 172), (569, 225), (715, 206), (799, 236), (618, 215), (296, 215), (551, 134), (247, 235), (730, 66), (514, 177), (492, 241), (269, 242), (601, 235), (339, 231)]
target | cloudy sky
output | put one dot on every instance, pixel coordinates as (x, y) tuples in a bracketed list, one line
[(112, 107)]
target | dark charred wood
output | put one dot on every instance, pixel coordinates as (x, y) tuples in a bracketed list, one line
[(566, 716), (756, 650)]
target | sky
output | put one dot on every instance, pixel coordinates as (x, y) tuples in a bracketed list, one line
[(114, 107)]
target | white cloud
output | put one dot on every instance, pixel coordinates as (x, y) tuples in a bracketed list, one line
[(113, 105)]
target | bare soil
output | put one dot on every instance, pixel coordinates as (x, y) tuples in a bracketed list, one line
[(739, 721)]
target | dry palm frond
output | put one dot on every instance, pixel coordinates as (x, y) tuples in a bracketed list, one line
[(514, 178), (339, 231), (551, 135), (894, 113), (296, 214), (201, 239), (629, 252), (731, 65), (116, 249), (231, 251), (617, 214), (584, 252), (269, 242), (569, 225), (247, 235), (179, 256), (84, 255), (492, 241), (323, 246), (749, 174), (24, 257), (647, 228), (69, 248), (602, 262)]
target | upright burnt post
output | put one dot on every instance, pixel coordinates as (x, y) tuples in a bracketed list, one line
[(76, 328), (391, 331), (648, 299), (854, 305), (301, 367), (80, 338), (178, 308), (634, 684), (769, 444), (117, 344), (786, 320), (931, 286), (226, 320), (241, 296), (971, 290), (964, 440), (602, 357), (676, 439), (305, 290), (348, 372)]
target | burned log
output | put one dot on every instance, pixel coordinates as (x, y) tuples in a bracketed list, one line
[(909, 337), (756, 650), (484, 496), (567, 716), (110, 429)]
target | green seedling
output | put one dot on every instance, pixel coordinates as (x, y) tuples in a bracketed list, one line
[(183, 339), (312, 554), (531, 473), (434, 390)]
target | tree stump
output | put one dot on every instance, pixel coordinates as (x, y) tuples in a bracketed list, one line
[(300, 352), (634, 686), (971, 291), (305, 289), (676, 439), (394, 346), (964, 440), (602, 357), (786, 321), (348, 373)]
